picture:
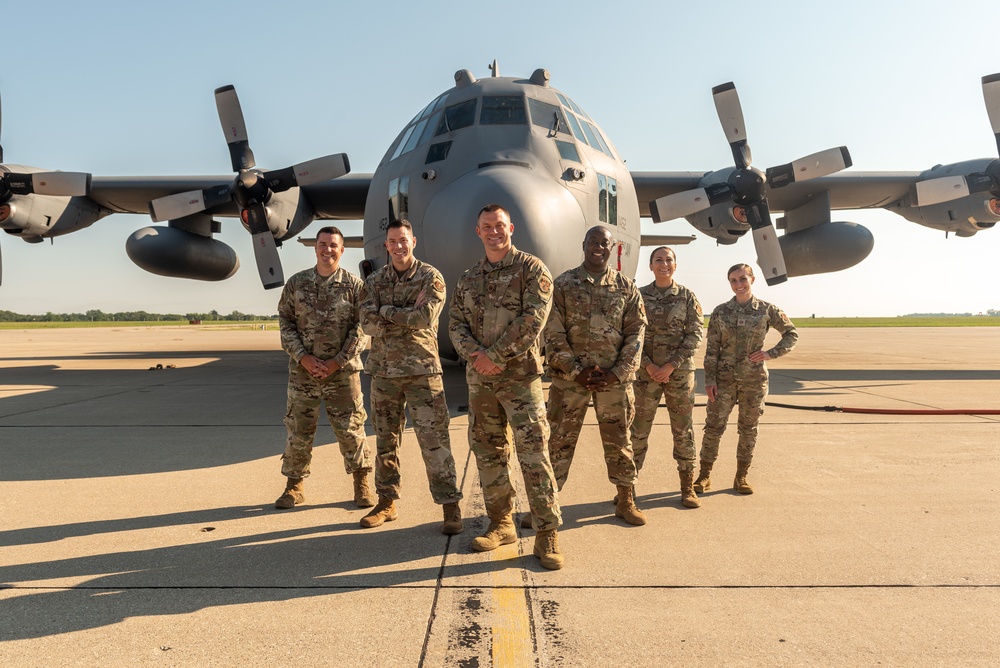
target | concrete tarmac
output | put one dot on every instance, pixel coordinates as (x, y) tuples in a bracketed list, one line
[(137, 524)]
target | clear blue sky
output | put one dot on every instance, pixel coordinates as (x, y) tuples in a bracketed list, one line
[(125, 88)]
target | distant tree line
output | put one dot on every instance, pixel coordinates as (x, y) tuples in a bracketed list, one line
[(96, 315), (991, 311)]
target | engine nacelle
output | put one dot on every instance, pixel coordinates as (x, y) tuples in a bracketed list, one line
[(32, 216), (964, 216), (168, 251), (825, 247), (725, 222)]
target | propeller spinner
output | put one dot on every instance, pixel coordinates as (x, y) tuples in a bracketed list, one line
[(251, 189), (747, 185)]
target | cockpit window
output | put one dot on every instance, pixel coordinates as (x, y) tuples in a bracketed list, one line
[(567, 151), (548, 116), (457, 116), (503, 110)]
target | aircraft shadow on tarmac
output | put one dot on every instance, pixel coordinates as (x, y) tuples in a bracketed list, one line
[(216, 408), (224, 407), (275, 566)]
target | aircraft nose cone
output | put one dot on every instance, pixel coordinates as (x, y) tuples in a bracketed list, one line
[(548, 221)]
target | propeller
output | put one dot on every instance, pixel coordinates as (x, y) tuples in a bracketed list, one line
[(62, 184), (66, 184), (746, 185), (251, 189), (948, 188)]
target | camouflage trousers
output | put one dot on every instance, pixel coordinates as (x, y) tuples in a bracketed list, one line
[(429, 413), (750, 395), (520, 403), (341, 392), (615, 408), (678, 394)]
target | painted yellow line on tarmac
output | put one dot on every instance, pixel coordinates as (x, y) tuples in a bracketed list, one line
[(512, 643)]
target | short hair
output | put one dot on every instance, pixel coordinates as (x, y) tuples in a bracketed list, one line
[(330, 229), (658, 249), (402, 223), (491, 208), (745, 267)]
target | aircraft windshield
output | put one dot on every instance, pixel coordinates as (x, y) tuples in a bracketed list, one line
[(503, 110), (457, 116), (548, 116)]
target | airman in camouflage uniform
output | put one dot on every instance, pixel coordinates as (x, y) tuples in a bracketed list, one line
[(593, 342), (735, 372), (496, 318), (320, 331), (400, 307), (673, 333)]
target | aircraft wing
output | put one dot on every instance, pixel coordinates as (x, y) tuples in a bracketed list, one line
[(338, 199), (852, 190)]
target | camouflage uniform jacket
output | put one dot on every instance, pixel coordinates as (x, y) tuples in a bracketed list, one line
[(404, 337), (502, 310), (736, 330), (318, 315), (674, 329), (594, 322)]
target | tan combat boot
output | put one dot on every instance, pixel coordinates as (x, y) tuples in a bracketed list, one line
[(614, 501), (452, 519), (626, 509), (740, 484), (526, 521), (703, 483), (500, 532), (364, 497), (384, 512), (547, 550), (292, 496), (688, 498)]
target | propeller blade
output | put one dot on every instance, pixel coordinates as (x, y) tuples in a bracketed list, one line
[(689, 202), (770, 259), (727, 104), (188, 203), (65, 184), (264, 249), (812, 166), (307, 173), (1, 267), (991, 94), (234, 127)]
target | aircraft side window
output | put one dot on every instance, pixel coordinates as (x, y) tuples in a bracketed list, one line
[(438, 152), (577, 130), (402, 142), (411, 143), (503, 110), (607, 199), (399, 197), (600, 139), (457, 116), (591, 135), (548, 116), (567, 151)]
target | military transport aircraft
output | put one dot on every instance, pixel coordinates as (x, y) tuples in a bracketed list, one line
[(521, 143)]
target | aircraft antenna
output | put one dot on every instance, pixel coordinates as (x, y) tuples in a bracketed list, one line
[(494, 68)]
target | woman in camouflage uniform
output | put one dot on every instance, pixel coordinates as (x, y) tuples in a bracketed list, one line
[(735, 372)]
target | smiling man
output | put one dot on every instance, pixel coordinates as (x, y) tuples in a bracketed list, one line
[(593, 343), (399, 310), (496, 318), (320, 331)]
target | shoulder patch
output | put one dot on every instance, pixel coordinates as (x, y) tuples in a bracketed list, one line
[(545, 284), (438, 284)]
